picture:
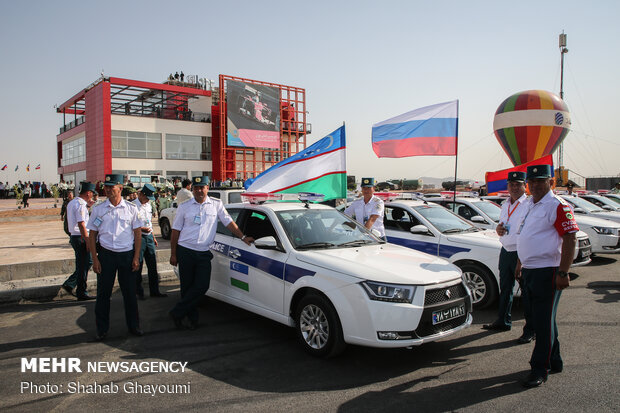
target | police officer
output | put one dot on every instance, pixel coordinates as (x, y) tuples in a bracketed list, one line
[(115, 225), (545, 246), (149, 242), (77, 220), (368, 210), (510, 218), (193, 231)]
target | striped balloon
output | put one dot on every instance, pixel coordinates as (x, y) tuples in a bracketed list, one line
[(531, 124)]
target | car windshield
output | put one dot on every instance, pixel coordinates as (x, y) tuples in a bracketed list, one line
[(613, 198), (489, 208), (444, 220), (601, 200), (588, 207), (323, 228)]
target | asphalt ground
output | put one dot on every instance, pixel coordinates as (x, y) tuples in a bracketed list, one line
[(238, 361)]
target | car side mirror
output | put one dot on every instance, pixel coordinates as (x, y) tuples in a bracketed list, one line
[(478, 219), (266, 243), (419, 229)]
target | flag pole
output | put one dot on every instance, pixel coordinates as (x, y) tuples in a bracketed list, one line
[(456, 158)]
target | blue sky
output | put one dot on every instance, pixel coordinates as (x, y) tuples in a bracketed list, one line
[(360, 62)]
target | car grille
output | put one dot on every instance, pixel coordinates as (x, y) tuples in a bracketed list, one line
[(440, 295), (585, 250), (427, 328)]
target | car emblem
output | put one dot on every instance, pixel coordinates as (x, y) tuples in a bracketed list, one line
[(448, 294), (234, 253)]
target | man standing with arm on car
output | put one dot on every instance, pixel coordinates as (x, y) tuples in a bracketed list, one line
[(368, 210), (545, 245)]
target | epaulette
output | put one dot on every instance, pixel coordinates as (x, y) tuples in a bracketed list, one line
[(561, 200)]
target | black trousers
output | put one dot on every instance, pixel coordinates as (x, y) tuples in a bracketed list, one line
[(111, 264), (195, 277), (543, 302), (147, 254), (83, 262)]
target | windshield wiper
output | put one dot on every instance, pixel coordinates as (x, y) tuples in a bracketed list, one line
[(316, 245), (453, 230), (355, 243)]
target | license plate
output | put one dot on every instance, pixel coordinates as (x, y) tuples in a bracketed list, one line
[(448, 314), (587, 252)]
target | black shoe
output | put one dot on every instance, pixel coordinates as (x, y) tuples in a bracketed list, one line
[(556, 370), (85, 297), (136, 332), (141, 297), (68, 289), (159, 295), (101, 336), (178, 322), (496, 327), (526, 338), (534, 380)]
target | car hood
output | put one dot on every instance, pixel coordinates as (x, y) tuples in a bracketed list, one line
[(592, 221), (484, 239), (609, 215), (384, 263)]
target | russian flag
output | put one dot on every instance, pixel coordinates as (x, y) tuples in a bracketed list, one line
[(38, 166), (428, 131), (498, 181)]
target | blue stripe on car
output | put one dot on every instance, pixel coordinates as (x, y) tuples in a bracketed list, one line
[(445, 251)]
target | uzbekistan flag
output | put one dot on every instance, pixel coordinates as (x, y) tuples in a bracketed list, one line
[(430, 131), (4, 167), (319, 168), (38, 166), (498, 181)]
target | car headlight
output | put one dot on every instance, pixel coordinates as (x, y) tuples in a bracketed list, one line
[(604, 230), (389, 292)]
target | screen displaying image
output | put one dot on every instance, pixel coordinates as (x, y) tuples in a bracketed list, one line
[(253, 115)]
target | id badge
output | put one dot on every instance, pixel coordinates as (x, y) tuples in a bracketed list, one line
[(507, 226), (197, 219), (97, 222)]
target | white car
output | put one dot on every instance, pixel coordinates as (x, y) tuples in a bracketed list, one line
[(166, 216), (601, 201), (315, 269), (583, 207), (604, 234), (613, 197)]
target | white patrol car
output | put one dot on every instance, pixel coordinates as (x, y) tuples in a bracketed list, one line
[(601, 201), (613, 197), (315, 269), (166, 216), (485, 214), (583, 207)]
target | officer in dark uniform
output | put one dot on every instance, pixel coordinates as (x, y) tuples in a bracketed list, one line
[(193, 231), (115, 226), (147, 251), (545, 246)]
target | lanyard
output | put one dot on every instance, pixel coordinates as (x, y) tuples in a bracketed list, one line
[(513, 210)]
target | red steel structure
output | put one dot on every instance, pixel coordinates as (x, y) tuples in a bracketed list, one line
[(241, 162)]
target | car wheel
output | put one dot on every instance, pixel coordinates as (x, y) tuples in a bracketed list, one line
[(483, 287), (164, 226), (318, 327)]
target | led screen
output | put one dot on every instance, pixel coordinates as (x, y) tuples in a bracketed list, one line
[(253, 115)]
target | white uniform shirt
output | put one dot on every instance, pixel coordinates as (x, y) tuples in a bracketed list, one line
[(198, 222), (115, 225), (77, 211), (145, 213), (511, 216), (539, 241), (184, 195), (362, 212)]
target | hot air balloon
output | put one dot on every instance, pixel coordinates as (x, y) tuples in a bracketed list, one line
[(531, 124)]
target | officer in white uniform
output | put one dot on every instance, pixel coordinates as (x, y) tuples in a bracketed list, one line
[(77, 220), (115, 226), (368, 210), (193, 232), (510, 218), (545, 245), (147, 250)]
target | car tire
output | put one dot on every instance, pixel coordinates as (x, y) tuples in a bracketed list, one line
[(318, 327), (481, 283), (164, 226)]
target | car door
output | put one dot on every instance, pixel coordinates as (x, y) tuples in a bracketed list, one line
[(220, 277), (257, 275), (398, 223)]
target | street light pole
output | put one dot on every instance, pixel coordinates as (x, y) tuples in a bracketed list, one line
[(563, 51)]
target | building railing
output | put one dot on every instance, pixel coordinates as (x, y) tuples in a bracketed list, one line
[(72, 124)]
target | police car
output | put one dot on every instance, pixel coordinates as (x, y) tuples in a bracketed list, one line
[(583, 207), (315, 269), (601, 201), (166, 216)]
